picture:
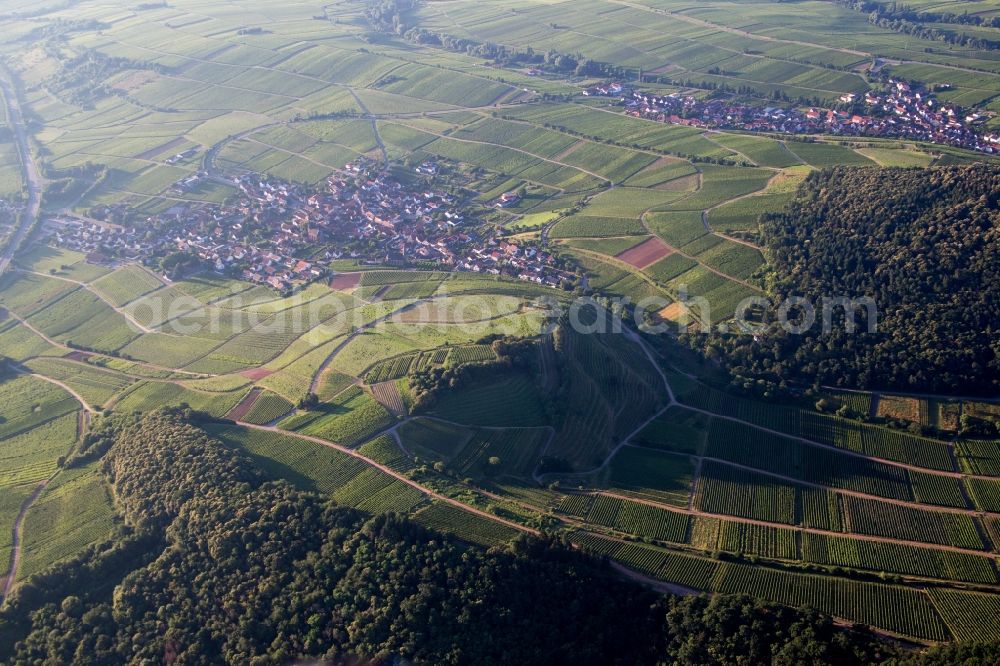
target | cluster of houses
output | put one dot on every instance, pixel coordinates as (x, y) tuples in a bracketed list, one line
[(899, 111), (284, 235), (609, 89), (501, 257)]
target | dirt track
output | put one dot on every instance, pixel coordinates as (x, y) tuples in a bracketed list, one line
[(396, 475)]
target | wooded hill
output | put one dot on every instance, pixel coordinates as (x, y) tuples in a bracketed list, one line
[(218, 565), (923, 244)]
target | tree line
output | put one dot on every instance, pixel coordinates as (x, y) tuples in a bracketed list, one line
[(903, 19), (388, 16), (216, 563)]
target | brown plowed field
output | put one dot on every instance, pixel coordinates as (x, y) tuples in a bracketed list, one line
[(645, 253)]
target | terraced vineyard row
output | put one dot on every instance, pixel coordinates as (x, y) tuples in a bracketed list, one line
[(971, 616), (384, 277), (509, 451), (730, 491), (979, 456), (384, 450), (762, 540), (985, 493), (897, 608), (374, 491), (266, 408), (876, 441), (897, 558), (466, 526), (775, 417), (871, 440), (470, 354), (900, 522), (735, 442)]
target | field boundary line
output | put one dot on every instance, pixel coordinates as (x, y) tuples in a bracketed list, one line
[(391, 472)]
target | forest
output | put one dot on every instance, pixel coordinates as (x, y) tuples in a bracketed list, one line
[(923, 245), (216, 564)]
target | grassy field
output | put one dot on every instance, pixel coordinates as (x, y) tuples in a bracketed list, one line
[(317, 89), (38, 426), (350, 418), (312, 466), (74, 511)]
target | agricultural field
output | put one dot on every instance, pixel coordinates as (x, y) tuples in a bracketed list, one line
[(898, 558), (74, 511), (970, 616), (433, 439), (896, 608), (39, 425), (126, 285), (350, 418), (497, 452), (651, 475), (734, 492), (821, 155), (149, 395), (511, 402), (874, 507), (96, 386), (267, 407), (468, 527)]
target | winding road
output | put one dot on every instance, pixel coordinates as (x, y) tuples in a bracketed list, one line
[(393, 473)]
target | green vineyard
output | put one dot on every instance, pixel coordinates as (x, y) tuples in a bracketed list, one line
[(762, 540), (898, 558), (971, 616), (266, 408), (464, 525), (895, 608), (735, 492)]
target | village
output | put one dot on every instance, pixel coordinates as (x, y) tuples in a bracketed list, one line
[(901, 111), (285, 235)]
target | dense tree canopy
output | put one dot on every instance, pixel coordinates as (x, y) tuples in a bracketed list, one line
[(222, 566), (924, 245)]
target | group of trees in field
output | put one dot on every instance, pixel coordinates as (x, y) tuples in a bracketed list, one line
[(77, 79), (388, 16), (217, 564), (903, 18), (923, 245)]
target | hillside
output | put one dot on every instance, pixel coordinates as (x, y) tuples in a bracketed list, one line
[(923, 244), (399, 330), (245, 571)]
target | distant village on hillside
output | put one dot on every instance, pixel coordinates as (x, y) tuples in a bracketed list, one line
[(285, 235), (901, 111)]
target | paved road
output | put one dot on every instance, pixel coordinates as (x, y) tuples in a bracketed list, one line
[(30, 171)]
